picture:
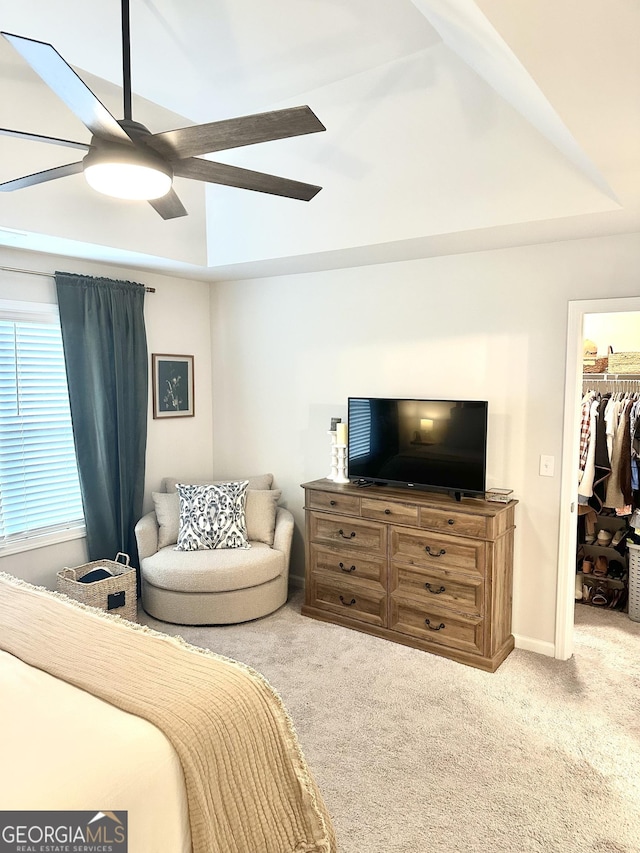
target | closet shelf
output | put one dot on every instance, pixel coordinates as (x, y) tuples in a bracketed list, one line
[(610, 377)]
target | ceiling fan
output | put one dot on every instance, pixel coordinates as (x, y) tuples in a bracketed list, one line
[(124, 159)]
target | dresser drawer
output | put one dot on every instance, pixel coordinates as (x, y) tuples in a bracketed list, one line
[(445, 589), (394, 511), (429, 551), (450, 521), (348, 532), (357, 601), (439, 627), (334, 502), (347, 563)]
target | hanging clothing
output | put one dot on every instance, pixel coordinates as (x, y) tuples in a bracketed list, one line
[(585, 431), (634, 429), (602, 462), (618, 492), (609, 468), (585, 488)]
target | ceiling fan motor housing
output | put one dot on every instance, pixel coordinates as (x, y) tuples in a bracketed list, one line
[(127, 171)]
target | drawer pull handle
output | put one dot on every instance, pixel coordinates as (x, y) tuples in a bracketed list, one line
[(352, 535), (431, 553), (347, 603), (433, 627), (434, 591), (387, 512), (451, 521), (343, 568), (332, 503)]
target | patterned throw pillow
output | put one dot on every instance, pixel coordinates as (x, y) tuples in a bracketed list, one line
[(212, 516)]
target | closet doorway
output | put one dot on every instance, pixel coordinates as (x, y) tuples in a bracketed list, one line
[(565, 600)]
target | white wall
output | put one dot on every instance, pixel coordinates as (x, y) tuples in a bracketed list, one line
[(621, 332), (177, 318), (288, 351)]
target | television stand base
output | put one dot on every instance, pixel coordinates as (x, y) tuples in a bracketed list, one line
[(363, 484)]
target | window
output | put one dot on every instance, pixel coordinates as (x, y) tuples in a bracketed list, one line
[(39, 488)]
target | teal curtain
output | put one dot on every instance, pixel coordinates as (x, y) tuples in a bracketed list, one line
[(105, 349)]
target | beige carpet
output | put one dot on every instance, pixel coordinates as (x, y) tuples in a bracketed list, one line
[(415, 753)]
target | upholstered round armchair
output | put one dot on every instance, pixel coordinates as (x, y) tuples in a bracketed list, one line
[(225, 583)]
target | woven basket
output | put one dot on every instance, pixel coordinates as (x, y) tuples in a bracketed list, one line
[(116, 594), (634, 581), (624, 362), (600, 365)]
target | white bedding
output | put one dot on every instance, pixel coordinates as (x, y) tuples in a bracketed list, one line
[(67, 749)]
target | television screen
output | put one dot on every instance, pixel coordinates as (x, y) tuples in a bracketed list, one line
[(429, 444)]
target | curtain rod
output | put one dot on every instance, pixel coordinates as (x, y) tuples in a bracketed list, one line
[(50, 275)]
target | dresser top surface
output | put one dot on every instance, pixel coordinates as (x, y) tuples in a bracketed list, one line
[(419, 497)]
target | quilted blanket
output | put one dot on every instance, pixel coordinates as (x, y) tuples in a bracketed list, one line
[(248, 786)]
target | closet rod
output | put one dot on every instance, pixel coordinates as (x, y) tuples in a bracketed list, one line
[(50, 275)]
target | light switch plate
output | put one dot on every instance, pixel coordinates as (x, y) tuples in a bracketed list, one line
[(547, 466)]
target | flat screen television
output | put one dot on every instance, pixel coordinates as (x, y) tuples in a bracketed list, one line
[(437, 445)]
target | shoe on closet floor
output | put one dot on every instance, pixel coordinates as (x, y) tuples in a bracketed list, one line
[(616, 570), (601, 566), (618, 536), (579, 577), (600, 596)]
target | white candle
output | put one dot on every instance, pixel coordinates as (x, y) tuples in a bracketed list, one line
[(341, 430)]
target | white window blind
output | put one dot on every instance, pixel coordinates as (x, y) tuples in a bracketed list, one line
[(39, 488)]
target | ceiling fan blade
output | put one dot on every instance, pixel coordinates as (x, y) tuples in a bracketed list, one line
[(169, 206), (63, 80), (233, 176), (236, 132), (41, 177), (36, 137)]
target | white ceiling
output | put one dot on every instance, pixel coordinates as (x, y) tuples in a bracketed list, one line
[(452, 125)]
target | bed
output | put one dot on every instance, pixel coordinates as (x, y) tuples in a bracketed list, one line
[(98, 713)]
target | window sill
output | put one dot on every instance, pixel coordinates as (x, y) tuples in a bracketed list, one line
[(43, 540)]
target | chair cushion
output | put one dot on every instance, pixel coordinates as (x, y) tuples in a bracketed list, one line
[(212, 516), (213, 571)]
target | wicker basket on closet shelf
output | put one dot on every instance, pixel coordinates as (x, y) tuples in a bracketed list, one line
[(624, 362), (116, 594), (600, 365)]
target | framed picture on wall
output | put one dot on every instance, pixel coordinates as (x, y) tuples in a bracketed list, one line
[(172, 386)]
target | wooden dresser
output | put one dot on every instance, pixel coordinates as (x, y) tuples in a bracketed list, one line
[(417, 568)]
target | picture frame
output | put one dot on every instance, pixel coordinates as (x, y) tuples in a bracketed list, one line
[(173, 385)]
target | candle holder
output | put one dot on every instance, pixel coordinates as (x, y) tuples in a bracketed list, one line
[(341, 475), (334, 455)]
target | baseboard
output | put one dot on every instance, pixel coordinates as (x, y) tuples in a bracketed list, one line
[(296, 582), (540, 647)]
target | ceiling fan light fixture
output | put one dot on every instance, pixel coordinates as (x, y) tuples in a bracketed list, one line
[(127, 173)]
